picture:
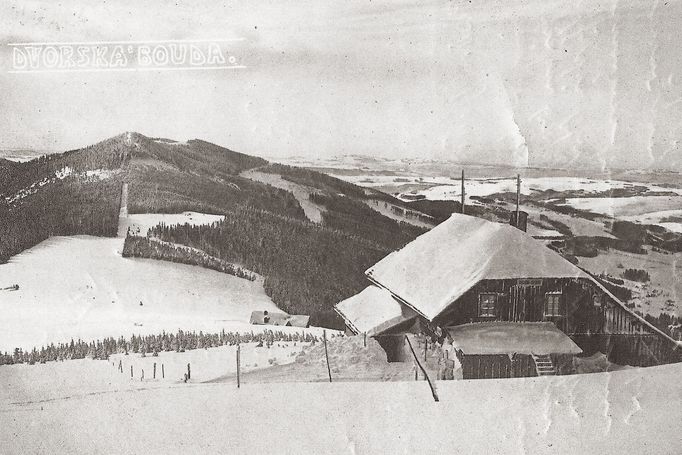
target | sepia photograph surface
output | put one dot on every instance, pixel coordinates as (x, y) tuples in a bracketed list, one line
[(340, 227)]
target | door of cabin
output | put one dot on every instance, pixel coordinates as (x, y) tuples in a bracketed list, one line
[(524, 300)]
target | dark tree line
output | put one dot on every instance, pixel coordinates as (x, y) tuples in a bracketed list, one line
[(315, 179), (666, 323), (307, 268), (64, 207), (636, 275), (69, 206), (355, 217), (148, 345), (154, 190), (144, 247)]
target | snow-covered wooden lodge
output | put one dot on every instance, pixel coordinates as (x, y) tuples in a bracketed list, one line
[(509, 305)]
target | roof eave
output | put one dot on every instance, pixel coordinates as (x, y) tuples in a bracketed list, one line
[(349, 324), (400, 299)]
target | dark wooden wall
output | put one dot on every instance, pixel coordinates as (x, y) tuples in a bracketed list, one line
[(522, 300), (588, 315)]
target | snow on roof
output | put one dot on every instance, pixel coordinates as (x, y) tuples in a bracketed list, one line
[(511, 337), (373, 310), (280, 319), (439, 266)]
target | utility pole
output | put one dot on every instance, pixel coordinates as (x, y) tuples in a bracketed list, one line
[(518, 197), (326, 355), (462, 191)]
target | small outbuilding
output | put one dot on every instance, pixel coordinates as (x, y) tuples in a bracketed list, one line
[(266, 317)]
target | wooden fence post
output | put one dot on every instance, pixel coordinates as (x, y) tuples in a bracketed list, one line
[(163, 372), (189, 372), (426, 376), (326, 355), (238, 361), (142, 377), (364, 341), (154, 377), (426, 346), (131, 371)]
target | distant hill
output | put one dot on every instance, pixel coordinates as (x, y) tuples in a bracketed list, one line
[(308, 266)]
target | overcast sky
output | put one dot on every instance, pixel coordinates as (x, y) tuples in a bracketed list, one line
[(537, 82)]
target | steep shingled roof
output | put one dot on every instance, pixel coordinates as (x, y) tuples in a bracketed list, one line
[(373, 310), (439, 266)]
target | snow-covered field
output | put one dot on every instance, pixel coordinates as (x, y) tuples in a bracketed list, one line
[(85, 407), (302, 193), (140, 223), (637, 208), (632, 207), (445, 188), (659, 218), (72, 287), (662, 294), (212, 363), (387, 209)]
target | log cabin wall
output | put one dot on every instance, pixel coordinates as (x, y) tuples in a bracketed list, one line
[(583, 307), (586, 313), (524, 300)]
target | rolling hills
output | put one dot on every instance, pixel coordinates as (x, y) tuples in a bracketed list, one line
[(308, 264)]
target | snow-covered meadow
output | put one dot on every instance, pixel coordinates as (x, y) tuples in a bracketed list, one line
[(81, 286), (640, 207), (71, 408)]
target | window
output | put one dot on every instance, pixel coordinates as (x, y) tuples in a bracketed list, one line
[(553, 304), (486, 305)]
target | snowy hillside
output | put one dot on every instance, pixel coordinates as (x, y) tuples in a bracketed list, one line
[(631, 411), (72, 287)]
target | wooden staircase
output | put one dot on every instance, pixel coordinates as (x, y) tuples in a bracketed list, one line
[(544, 365)]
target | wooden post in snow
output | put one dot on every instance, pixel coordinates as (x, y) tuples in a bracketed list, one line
[(189, 372), (238, 360), (426, 346), (154, 376), (120, 365), (426, 376), (131, 372), (462, 191), (364, 340), (142, 377), (163, 372), (326, 355), (518, 197)]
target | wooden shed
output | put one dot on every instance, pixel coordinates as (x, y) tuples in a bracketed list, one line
[(279, 319)]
